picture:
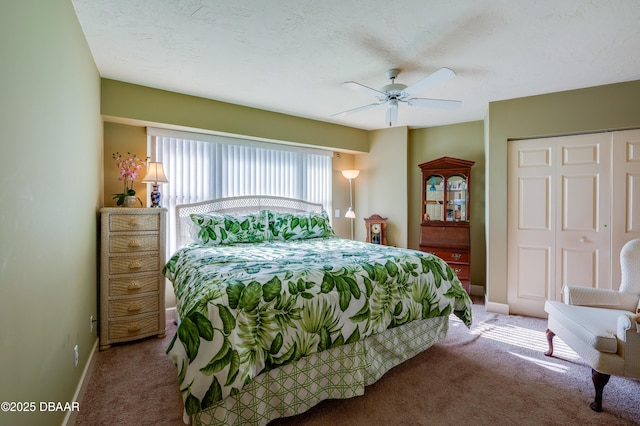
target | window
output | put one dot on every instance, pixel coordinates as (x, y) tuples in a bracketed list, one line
[(202, 167)]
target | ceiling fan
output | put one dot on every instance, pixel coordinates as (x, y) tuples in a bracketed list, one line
[(393, 93)]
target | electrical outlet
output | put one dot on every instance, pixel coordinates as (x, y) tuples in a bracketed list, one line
[(337, 213), (91, 324), (75, 356)]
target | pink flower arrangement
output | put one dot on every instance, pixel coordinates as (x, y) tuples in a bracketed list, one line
[(129, 171)]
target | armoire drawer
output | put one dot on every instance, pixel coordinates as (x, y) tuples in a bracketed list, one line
[(448, 255), (461, 271), (444, 235)]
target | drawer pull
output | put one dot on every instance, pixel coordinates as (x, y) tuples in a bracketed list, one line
[(133, 328), (134, 285), (134, 307), (457, 270), (134, 222), (134, 243), (456, 256), (135, 264)]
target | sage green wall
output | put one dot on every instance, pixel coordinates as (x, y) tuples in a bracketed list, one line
[(51, 189), (595, 109), (381, 187), (466, 141), (122, 138), (144, 104)]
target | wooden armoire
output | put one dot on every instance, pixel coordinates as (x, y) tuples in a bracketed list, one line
[(445, 224)]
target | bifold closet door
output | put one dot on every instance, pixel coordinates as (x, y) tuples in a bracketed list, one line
[(625, 208), (558, 218)]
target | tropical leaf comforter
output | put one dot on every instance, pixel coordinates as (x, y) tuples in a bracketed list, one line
[(249, 308)]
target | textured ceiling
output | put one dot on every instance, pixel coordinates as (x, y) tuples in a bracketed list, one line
[(291, 56)]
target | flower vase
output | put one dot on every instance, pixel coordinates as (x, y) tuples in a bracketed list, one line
[(130, 201)]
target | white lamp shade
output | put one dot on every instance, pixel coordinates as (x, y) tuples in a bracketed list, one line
[(350, 214), (155, 174), (350, 174)]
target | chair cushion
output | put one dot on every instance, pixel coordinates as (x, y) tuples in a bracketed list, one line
[(595, 326)]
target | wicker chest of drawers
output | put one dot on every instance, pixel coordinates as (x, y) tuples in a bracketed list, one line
[(132, 254)]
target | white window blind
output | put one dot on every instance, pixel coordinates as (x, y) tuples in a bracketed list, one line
[(201, 167)]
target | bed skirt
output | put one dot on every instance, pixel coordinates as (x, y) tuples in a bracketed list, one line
[(338, 373)]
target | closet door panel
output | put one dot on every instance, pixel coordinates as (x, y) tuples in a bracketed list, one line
[(625, 194), (583, 203), (632, 207), (534, 281), (580, 203), (580, 267), (531, 226), (558, 218)]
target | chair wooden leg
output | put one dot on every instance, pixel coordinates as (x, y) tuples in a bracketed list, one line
[(599, 382), (550, 335)]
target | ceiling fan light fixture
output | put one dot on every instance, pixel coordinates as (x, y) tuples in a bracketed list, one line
[(392, 112)]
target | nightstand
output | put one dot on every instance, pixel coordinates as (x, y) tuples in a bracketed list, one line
[(132, 255)]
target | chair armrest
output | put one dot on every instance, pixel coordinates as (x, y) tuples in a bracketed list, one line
[(631, 345), (626, 321), (600, 298)]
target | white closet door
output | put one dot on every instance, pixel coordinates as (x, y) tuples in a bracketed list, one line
[(531, 225), (583, 231), (558, 218), (625, 209)]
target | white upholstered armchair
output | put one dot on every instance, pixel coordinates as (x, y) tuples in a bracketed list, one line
[(600, 324)]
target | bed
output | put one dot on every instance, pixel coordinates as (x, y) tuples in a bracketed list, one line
[(276, 313)]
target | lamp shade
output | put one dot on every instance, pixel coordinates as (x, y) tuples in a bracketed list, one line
[(155, 174), (350, 174), (350, 214)]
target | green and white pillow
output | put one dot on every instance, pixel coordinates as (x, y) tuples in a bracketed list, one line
[(218, 228), (298, 226)]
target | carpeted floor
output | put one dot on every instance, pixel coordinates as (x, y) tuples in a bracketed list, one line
[(493, 374)]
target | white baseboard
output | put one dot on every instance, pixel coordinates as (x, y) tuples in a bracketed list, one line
[(70, 417), (171, 314), (498, 308)]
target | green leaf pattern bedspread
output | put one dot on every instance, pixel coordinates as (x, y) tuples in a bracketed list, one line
[(249, 308)]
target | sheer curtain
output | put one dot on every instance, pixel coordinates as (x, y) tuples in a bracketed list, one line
[(202, 167)]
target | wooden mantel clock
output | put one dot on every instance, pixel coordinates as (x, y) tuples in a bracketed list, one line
[(376, 229)]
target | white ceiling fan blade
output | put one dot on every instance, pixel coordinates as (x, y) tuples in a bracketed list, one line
[(442, 75), (364, 89), (360, 108), (434, 103)]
